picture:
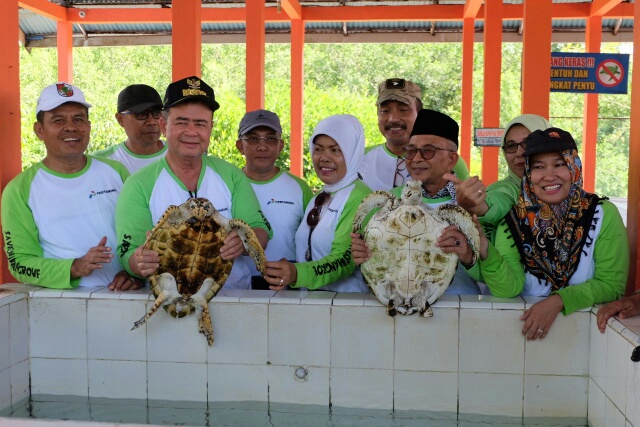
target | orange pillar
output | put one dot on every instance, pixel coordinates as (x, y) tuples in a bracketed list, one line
[(593, 38), (536, 57), (492, 76), (186, 43), (466, 119), (255, 54), (10, 161), (633, 202), (65, 51), (296, 140)]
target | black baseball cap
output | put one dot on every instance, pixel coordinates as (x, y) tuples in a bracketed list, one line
[(190, 89), (138, 98), (551, 139)]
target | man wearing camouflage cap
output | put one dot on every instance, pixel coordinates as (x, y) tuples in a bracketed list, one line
[(187, 172), (398, 103)]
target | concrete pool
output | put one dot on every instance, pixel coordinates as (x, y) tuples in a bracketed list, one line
[(319, 353)]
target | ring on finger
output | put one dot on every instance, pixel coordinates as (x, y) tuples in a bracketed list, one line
[(281, 282), (457, 242), (541, 331)]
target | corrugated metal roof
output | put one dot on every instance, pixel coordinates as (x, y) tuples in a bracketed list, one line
[(36, 27)]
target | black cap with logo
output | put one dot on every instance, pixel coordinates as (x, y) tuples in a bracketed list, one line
[(189, 89)]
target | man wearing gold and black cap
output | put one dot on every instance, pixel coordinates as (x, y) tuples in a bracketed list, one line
[(187, 172), (398, 103)]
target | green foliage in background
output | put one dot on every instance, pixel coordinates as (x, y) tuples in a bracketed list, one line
[(339, 79)]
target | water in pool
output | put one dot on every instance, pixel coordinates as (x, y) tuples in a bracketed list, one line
[(252, 414)]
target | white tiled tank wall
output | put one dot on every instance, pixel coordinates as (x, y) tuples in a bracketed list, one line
[(14, 350), (470, 358), (614, 380)]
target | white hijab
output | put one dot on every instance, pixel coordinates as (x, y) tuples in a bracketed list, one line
[(347, 131)]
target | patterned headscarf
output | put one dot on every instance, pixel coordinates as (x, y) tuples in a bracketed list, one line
[(550, 238)]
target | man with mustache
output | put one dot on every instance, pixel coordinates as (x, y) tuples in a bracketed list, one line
[(139, 112), (384, 166)]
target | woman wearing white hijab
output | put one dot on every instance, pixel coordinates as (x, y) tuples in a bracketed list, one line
[(323, 241)]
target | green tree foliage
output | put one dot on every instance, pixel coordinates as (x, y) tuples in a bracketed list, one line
[(339, 79)]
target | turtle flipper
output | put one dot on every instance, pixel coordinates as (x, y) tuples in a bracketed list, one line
[(462, 219), (377, 199), (169, 295), (426, 311), (200, 303), (250, 241)]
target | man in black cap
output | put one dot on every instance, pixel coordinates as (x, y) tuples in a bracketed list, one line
[(187, 172), (283, 196), (139, 112), (430, 154)]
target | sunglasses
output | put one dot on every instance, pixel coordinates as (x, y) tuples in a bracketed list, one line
[(314, 214), (314, 218), (512, 147), (145, 114), (271, 141), (427, 152)]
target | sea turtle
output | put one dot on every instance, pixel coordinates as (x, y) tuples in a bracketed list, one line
[(188, 239), (406, 271)]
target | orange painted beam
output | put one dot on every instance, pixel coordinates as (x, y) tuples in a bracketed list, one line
[(43, 8), (296, 140), (471, 8), (600, 7), (492, 77), (186, 44), (65, 51), (292, 8), (317, 14), (466, 113), (536, 57), (10, 161), (255, 54), (633, 201), (593, 39)]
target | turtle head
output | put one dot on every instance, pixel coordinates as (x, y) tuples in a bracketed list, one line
[(412, 192), (198, 208)]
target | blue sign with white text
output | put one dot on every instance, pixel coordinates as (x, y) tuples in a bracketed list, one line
[(589, 72)]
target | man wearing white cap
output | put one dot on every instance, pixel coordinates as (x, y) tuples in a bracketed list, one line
[(383, 166), (58, 216), (283, 196)]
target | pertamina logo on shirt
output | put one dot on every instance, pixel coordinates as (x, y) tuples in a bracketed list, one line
[(286, 202), (99, 193)]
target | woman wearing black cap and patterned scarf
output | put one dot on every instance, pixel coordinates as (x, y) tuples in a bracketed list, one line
[(558, 241)]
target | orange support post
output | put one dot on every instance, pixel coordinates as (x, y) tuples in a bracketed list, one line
[(633, 202), (255, 54), (186, 43), (466, 115), (65, 51), (593, 38), (10, 161), (492, 75), (536, 57), (296, 140)]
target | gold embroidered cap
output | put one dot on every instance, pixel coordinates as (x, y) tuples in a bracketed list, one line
[(188, 89)]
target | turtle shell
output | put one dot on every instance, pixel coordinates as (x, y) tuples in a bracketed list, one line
[(407, 272), (188, 240)]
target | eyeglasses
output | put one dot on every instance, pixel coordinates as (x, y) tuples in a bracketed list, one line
[(401, 166), (427, 152), (145, 114), (512, 147), (314, 218), (255, 140)]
